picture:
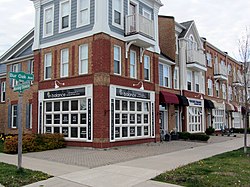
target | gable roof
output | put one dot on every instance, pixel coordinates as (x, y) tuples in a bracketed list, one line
[(21, 49), (187, 25)]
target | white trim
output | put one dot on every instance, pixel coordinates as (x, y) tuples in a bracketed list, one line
[(12, 116), (45, 65), (148, 12), (44, 21), (166, 61), (121, 26), (136, 5), (135, 65), (149, 68), (60, 16), (80, 59), (176, 71), (78, 14), (3, 90)]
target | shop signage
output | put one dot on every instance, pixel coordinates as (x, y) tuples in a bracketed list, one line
[(21, 76), (195, 102), (64, 93), (132, 94), (21, 87)]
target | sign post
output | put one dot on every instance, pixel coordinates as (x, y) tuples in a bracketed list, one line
[(23, 84)]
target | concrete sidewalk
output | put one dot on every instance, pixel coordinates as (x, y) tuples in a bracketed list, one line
[(136, 172)]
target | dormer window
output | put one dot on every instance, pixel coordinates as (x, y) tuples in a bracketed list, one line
[(65, 15), (83, 15), (192, 45)]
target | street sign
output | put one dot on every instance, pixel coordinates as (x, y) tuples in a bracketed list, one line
[(21, 76), (22, 87)]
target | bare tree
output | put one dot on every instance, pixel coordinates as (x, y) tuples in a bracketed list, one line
[(244, 52)]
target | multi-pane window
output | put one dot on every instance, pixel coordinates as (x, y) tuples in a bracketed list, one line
[(132, 64), (3, 91), (210, 87), (230, 93), (15, 68), (209, 60), (229, 68), (64, 62), (117, 12), (224, 94), (65, 15), (48, 21), (176, 78), (189, 80), (47, 66), (217, 89), (196, 81), (83, 59), (132, 119), (218, 121), (166, 76), (195, 117), (237, 119), (14, 116), (68, 117), (117, 60), (30, 116), (146, 68), (83, 12)]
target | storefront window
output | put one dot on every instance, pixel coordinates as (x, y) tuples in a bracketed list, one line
[(218, 119), (195, 116)]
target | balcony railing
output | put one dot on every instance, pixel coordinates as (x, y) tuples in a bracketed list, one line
[(220, 70), (137, 23), (196, 56)]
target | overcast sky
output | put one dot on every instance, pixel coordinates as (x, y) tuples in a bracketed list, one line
[(221, 22)]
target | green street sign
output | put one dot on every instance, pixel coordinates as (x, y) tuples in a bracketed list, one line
[(22, 87), (21, 76)]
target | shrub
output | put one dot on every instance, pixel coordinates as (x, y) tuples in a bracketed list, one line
[(210, 130), (34, 143), (200, 137), (184, 135), (240, 130)]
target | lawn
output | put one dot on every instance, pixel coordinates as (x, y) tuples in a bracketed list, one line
[(228, 169), (11, 177)]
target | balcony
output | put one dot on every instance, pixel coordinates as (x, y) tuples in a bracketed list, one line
[(220, 72), (140, 29), (196, 60)]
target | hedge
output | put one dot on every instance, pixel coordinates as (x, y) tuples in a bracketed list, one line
[(34, 143), (240, 130), (196, 136), (210, 130)]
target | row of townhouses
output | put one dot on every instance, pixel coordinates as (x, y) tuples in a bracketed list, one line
[(114, 72)]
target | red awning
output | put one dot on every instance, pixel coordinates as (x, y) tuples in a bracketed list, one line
[(235, 108), (168, 98)]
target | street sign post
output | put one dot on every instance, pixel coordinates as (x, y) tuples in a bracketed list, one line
[(23, 84)]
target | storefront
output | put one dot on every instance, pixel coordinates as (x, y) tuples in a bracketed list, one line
[(67, 111), (229, 110), (195, 116), (219, 116), (209, 106), (237, 117), (132, 114)]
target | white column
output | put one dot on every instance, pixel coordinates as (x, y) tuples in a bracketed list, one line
[(36, 44)]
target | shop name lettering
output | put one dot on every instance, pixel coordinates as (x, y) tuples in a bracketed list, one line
[(64, 93), (132, 94), (195, 102)]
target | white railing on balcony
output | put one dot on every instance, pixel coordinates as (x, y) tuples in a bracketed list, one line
[(196, 56), (137, 23), (220, 69)]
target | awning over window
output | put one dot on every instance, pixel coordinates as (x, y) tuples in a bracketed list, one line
[(169, 98), (217, 105), (183, 101), (243, 110), (229, 107), (208, 104), (235, 108)]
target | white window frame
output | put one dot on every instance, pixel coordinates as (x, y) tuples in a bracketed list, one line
[(15, 68), (196, 82), (230, 93), (78, 13), (30, 112), (12, 116), (224, 94), (119, 60), (133, 65), (209, 59), (3, 91), (64, 63), (210, 87), (168, 76), (60, 16), (122, 15), (218, 121), (44, 21), (147, 59), (83, 59), (176, 78), (191, 81), (144, 11), (194, 119), (217, 88), (46, 66)]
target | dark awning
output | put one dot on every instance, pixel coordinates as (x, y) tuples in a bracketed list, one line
[(243, 110), (208, 104), (183, 101), (235, 108), (169, 98)]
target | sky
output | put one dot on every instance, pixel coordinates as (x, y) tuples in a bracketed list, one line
[(221, 22)]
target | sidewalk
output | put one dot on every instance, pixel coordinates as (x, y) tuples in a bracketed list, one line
[(136, 172)]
